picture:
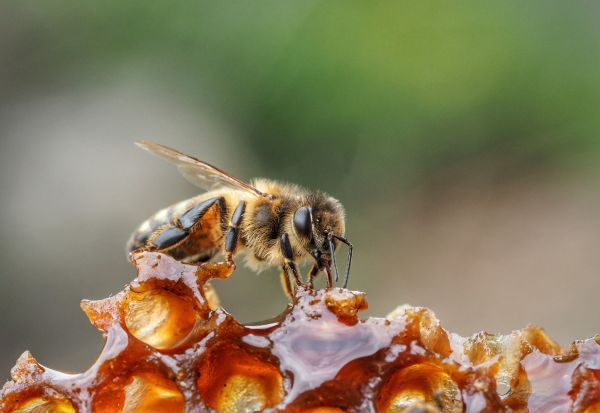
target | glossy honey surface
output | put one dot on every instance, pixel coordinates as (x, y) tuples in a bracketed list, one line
[(170, 348)]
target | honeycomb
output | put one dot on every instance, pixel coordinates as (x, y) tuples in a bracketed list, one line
[(171, 348)]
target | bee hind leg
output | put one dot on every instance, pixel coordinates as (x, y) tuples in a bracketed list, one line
[(200, 258), (166, 237), (169, 236), (193, 215)]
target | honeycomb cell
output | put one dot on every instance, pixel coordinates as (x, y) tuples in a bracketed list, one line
[(233, 380), (160, 318), (422, 384), (141, 392), (45, 405)]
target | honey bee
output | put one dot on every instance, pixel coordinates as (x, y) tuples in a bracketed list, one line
[(273, 223)]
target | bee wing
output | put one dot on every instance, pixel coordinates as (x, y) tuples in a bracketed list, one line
[(199, 173)]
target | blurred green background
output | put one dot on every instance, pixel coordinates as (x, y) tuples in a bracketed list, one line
[(463, 139)]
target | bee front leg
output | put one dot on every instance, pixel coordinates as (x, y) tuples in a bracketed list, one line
[(311, 276), (292, 266), (287, 286), (288, 254), (231, 238)]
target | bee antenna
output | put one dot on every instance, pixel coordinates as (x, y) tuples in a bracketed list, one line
[(350, 247), (332, 253)]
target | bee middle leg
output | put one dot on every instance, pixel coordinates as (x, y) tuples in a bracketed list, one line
[(232, 235)]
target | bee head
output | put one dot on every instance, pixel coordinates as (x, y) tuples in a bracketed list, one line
[(320, 226)]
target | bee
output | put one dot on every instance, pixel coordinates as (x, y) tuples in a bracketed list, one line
[(272, 223)]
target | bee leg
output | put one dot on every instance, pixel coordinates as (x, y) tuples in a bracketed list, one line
[(329, 277), (193, 215), (286, 284), (229, 259), (168, 236), (292, 266), (231, 238), (200, 259), (311, 276), (288, 254)]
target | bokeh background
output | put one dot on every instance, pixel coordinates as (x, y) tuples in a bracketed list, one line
[(463, 139)]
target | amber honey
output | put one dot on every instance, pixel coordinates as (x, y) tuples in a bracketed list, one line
[(169, 348)]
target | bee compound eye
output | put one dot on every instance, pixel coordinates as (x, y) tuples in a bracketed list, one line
[(303, 221)]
